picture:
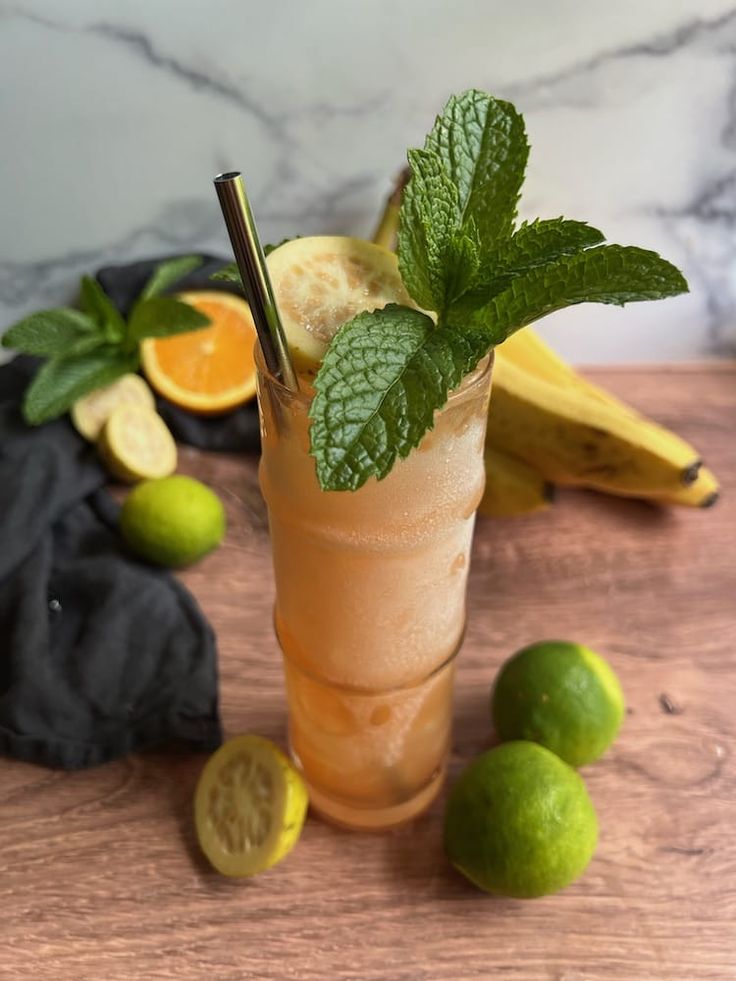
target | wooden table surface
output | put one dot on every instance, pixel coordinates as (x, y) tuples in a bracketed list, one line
[(100, 875)]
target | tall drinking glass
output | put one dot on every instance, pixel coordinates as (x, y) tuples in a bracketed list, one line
[(370, 604)]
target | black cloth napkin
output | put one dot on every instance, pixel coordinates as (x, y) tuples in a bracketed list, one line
[(100, 654)]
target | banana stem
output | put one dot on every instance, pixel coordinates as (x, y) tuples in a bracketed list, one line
[(387, 229)]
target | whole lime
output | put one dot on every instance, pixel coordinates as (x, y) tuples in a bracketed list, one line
[(561, 695), (519, 822), (173, 521)]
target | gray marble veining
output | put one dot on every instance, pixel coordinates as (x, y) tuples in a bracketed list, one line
[(116, 116)]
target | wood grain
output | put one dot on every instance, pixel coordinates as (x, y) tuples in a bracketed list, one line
[(100, 877)]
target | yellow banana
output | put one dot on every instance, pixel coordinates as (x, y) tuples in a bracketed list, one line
[(512, 487), (527, 350), (388, 224), (575, 440), (701, 494)]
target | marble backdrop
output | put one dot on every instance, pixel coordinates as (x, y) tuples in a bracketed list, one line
[(116, 114)]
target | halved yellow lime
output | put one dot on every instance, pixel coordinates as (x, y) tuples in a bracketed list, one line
[(249, 807), (89, 414), (135, 444), (321, 282)]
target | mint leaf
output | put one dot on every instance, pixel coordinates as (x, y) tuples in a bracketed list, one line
[(268, 249), (60, 382), (169, 272), (463, 262), (606, 274), (430, 215), (86, 343), (163, 316), (229, 274), (482, 144), (97, 304), (92, 348), (49, 333), (533, 244), (542, 241), (384, 375)]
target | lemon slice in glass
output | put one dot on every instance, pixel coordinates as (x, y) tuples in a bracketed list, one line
[(322, 281), (249, 806)]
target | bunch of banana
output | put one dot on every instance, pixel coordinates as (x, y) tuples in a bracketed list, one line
[(548, 425), (512, 486), (576, 434)]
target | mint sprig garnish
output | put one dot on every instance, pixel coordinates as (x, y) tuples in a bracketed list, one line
[(481, 143), (378, 389), (431, 220), (460, 256), (92, 347), (542, 241), (608, 274)]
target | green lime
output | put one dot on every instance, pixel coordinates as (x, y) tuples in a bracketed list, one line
[(519, 822), (561, 695), (173, 521)]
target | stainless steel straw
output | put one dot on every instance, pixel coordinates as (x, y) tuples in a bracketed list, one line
[(252, 266)]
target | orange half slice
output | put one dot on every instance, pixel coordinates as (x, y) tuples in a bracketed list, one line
[(207, 371)]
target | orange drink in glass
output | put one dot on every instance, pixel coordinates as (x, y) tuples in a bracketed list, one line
[(370, 604)]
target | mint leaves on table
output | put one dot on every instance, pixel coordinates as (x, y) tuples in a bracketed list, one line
[(92, 347), (168, 273), (162, 316), (101, 310), (62, 380), (461, 257)]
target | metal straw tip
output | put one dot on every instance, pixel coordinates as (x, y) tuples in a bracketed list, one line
[(251, 264)]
